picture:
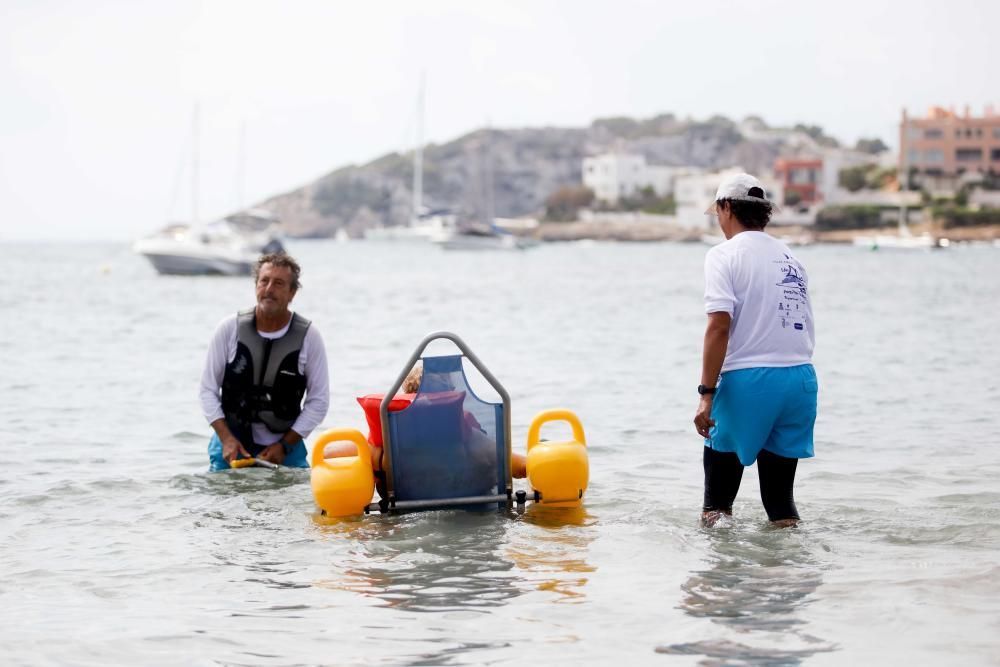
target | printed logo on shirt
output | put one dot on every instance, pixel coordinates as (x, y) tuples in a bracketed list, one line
[(792, 300), (792, 277)]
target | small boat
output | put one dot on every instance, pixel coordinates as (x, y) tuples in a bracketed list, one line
[(484, 238), (219, 248), (903, 239), (424, 227), (900, 242)]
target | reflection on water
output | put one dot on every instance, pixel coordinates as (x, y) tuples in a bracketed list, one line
[(757, 586), (456, 560), (555, 559), (240, 482), (427, 561)]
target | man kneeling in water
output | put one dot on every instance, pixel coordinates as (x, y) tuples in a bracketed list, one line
[(260, 365)]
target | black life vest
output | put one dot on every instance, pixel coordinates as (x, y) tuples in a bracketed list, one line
[(262, 383)]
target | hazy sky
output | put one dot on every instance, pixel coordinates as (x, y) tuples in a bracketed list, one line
[(98, 97)]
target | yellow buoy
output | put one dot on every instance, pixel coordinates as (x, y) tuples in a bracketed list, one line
[(342, 486), (558, 471)]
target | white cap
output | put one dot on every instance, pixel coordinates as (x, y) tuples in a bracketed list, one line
[(741, 187)]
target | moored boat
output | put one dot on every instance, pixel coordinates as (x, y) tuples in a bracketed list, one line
[(219, 248)]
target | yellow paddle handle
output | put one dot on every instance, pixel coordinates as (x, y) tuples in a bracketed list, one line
[(340, 435), (558, 414), (243, 463)]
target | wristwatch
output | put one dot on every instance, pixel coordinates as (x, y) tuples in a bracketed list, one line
[(703, 390)]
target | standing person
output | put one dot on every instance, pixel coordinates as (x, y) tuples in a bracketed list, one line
[(758, 386), (261, 362)]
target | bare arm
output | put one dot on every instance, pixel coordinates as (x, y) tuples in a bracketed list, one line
[(713, 354)]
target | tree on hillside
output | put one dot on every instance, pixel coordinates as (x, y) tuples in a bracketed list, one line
[(873, 146), (564, 204), (816, 132)]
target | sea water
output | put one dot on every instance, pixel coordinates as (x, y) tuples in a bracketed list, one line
[(119, 548)]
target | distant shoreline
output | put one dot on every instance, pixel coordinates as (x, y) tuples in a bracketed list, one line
[(642, 232)]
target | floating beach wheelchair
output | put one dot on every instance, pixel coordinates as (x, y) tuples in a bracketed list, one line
[(446, 447)]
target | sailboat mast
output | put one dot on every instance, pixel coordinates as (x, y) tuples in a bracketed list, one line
[(904, 184), (418, 156), (195, 140), (241, 160), (490, 188)]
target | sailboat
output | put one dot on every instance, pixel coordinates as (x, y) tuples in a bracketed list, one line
[(487, 235), (481, 237), (228, 247), (904, 239), (424, 224)]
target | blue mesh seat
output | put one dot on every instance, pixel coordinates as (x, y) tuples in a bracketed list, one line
[(448, 443), (448, 447)]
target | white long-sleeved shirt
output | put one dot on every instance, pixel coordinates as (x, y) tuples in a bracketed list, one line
[(312, 364)]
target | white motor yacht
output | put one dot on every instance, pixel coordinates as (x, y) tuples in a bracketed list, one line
[(219, 248)]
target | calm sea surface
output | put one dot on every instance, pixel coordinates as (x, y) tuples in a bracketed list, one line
[(118, 547)]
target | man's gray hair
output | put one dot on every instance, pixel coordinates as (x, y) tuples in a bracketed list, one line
[(280, 259)]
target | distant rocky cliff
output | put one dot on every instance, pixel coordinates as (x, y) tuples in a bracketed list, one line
[(510, 172)]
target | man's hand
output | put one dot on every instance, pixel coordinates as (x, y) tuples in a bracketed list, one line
[(273, 454), (703, 418), (232, 448)]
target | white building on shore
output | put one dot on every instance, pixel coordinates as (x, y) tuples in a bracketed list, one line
[(613, 176)]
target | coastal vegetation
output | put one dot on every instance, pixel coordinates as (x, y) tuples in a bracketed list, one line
[(833, 218), (565, 203), (951, 216), (866, 176), (646, 201)]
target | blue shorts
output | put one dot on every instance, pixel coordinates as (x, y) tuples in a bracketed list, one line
[(294, 459), (765, 408)]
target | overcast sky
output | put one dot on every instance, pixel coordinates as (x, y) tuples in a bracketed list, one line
[(98, 97)]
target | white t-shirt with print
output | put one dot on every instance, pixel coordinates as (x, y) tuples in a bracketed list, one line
[(755, 278)]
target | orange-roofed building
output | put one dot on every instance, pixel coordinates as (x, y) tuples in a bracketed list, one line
[(801, 176)]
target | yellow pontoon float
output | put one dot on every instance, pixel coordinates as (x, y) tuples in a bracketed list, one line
[(446, 447)]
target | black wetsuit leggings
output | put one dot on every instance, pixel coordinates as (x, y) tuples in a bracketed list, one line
[(723, 473)]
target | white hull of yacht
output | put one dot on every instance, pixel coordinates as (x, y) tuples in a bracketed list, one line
[(189, 252), (185, 265)]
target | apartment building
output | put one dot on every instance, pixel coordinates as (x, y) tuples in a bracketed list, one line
[(614, 176), (947, 144)]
